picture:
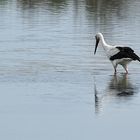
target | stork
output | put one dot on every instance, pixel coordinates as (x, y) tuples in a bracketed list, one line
[(117, 54)]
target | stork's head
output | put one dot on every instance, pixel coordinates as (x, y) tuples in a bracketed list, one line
[(98, 38)]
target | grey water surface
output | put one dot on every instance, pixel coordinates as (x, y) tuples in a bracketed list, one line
[(52, 85)]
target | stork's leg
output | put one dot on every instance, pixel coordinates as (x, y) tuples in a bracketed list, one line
[(126, 69), (115, 69), (114, 66)]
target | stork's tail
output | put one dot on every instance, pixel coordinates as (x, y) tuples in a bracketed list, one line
[(136, 57)]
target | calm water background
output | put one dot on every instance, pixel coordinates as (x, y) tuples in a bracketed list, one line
[(52, 86)]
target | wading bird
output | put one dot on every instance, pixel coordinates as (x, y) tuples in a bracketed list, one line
[(116, 54)]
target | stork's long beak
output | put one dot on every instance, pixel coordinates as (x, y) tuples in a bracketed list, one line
[(96, 45)]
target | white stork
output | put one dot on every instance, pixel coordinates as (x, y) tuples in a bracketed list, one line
[(116, 54)]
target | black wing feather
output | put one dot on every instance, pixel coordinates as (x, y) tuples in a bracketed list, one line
[(125, 52), (125, 49)]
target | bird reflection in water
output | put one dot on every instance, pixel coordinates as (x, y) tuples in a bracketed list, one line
[(121, 85), (119, 88)]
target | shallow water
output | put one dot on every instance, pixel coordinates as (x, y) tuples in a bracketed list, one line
[(52, 85)]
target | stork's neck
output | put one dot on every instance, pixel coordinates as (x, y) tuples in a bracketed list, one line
[(103, 43), (103, 40)]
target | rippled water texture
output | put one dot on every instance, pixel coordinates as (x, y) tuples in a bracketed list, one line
[(52, 85)]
